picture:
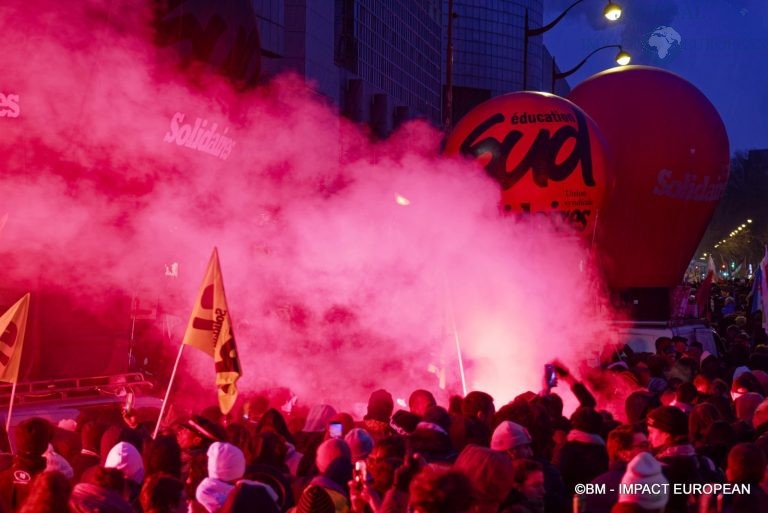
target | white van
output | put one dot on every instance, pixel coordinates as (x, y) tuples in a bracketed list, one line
[(641, 335)]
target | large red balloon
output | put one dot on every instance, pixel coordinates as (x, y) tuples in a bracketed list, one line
[(671, 161), (547, 155)]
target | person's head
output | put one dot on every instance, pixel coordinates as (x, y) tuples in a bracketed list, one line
[(745, 406), (162, 493), (586, 419), (528, 479), (273, 420), (33, 436), (700, 419), (479, 405), (746, 464), (90, 435), (250, 496), (695, 351), (625, 442), (331, 450), (667, 425), (490, 473), (680, 344), (162, 454), (745, 382), (385, 457), (420, 400), (360, 443), (638, 404), (49, 493), (268, 448), (199, 431), (125, 457), (432, 491), (226, 462), (512, 439), (380, 406), (644, 471), (666, 350)]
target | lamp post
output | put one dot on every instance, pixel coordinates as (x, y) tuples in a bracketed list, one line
[(612, 12), (622, 59)]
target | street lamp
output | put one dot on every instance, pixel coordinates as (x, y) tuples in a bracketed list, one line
[(622, 59), (612, 12)]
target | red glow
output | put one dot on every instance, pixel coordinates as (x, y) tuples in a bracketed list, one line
[(334, 288)]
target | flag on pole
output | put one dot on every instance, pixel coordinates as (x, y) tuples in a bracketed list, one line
[(210, 330), (704, 290), (13, 324)]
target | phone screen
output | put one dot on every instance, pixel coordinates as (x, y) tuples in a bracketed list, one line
[(549, 375), (334, 430)]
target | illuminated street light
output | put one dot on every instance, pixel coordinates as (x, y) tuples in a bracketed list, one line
[(622, 58), (612, 12)]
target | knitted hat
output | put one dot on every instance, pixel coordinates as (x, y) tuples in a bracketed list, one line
[(33, 436), (509, 435), (126, 457), (330, 450), (315, 500), (645, 470), (669, 419), (380, 405), (360, 443), (225, 462)]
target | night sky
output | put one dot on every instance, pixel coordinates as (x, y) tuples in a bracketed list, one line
[(723, 50)]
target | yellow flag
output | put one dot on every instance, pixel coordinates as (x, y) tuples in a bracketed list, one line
[(13, 323), (210, 330)]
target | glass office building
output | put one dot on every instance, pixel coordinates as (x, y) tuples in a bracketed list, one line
[(384, 61)]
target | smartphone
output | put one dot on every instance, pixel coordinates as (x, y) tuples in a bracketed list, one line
[(360, 475), (334, 430), (550, 377)]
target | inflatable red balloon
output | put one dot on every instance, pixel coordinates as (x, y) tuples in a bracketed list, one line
[(671, 158), (547, 155)]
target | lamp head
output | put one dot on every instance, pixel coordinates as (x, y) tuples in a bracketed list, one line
[(612, 11), (623, 58)]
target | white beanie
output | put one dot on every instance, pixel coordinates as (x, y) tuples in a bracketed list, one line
[(126, 457), (644, 469), (225, 462), (509, 435)]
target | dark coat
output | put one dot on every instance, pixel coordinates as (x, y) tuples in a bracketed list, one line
[(580, 462)]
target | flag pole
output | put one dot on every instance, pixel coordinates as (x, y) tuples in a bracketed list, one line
[(456, 340), (168, 392), (10, 409)]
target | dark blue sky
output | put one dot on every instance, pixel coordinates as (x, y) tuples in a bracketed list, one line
[(723, 51)]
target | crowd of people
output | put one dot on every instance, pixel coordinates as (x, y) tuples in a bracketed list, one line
[(690, 418)]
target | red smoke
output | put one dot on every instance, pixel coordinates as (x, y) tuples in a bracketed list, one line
[(335, 287)]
